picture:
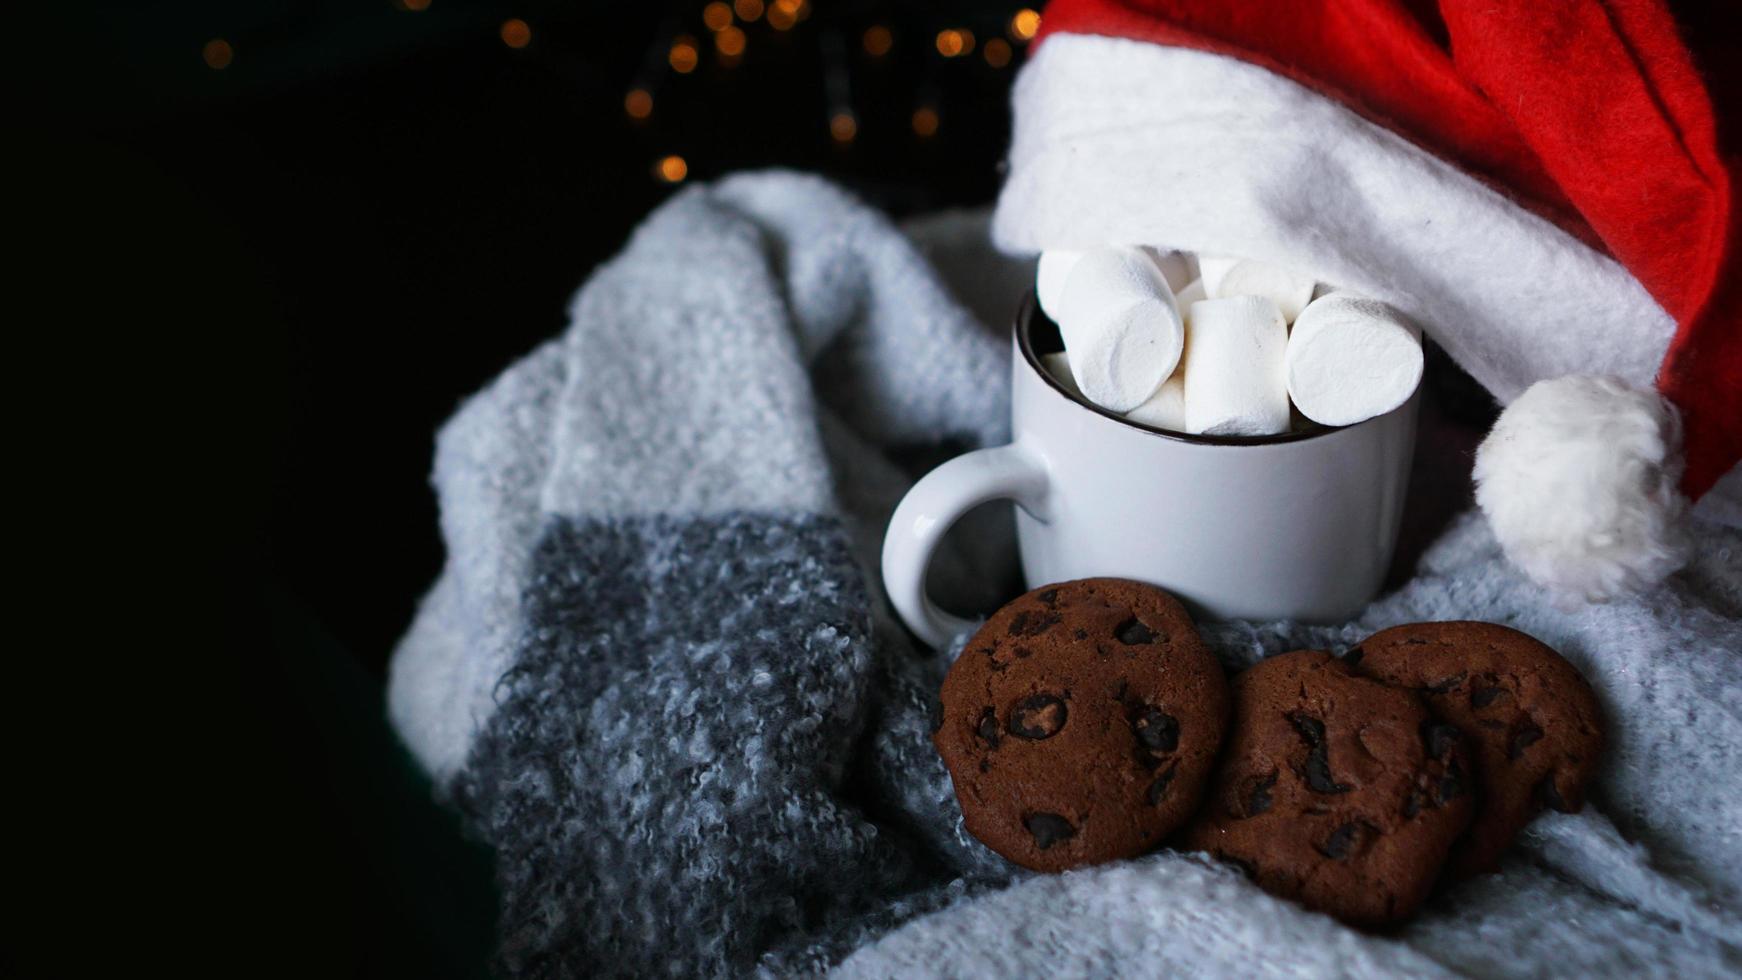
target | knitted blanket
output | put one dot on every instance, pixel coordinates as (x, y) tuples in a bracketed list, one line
[(659, 677)]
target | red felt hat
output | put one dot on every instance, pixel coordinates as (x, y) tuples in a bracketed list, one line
[(1540, 184)]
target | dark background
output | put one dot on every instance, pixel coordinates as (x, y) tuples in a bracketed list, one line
[(244, 299), (279, 276)]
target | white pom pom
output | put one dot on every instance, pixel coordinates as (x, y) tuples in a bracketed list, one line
[(1578, 480)]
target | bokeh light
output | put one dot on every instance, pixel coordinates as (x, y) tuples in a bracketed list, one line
[(748, 10), (843, 127), (671, 169), (717, 15), (684, 55), (925, 122), (218, 54), (955, 42), (1024, 24), (638, 103), (516, 33), (730, 42), (877, 41), (997, 52), (785, 13)]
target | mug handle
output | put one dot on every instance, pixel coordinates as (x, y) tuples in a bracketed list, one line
[(932, 506)]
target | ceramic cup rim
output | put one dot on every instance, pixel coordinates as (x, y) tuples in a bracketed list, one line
[(1030, 310)]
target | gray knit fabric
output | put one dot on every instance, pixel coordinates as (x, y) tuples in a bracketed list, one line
[(659, 677)]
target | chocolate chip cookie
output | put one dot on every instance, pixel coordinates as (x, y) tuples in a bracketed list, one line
[(1081, 722), (1336, 791), (1533, 723)]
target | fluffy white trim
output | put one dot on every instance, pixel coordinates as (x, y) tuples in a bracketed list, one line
[(1126, 142), (1578, 479)]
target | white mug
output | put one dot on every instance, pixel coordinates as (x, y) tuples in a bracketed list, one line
[(1293, 526)]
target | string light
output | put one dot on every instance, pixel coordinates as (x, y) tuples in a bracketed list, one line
[(1024, 25), (730, 42), (638, 103), (925, 122), (717, 15), (955, 42), (218, 54), (843, 127), (515, 33), (877, 41), (684, 55), (671, 169)]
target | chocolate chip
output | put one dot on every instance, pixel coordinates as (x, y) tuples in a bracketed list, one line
[(1156, 730), (1413, 803), (1449, 684), (1318, 774), (1317, 769), (1450, 785), (987, 729), (1550, 795), (1048, 829), (1038, 716), (1132, 632), (1081, 634), (1027, 623), (1310, 728), (1158, 790), (1258, 796), (1050, 597), (1353, 657), (1440, 738), (1482, 697), (1343, 840), (1523, 737)]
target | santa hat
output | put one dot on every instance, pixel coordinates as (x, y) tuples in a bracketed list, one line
[(1540, 185)]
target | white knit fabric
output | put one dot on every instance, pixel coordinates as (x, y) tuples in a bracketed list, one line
[(589, 422), (1647, 880)]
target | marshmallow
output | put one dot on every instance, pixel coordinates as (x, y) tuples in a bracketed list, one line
[(1049, 278), (1290, 293), (1178, 268), (1166, 409), (1234, 368), (1350, 359), (1059, 366), (1122, 330), (1193, 292), (1211, 269)]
